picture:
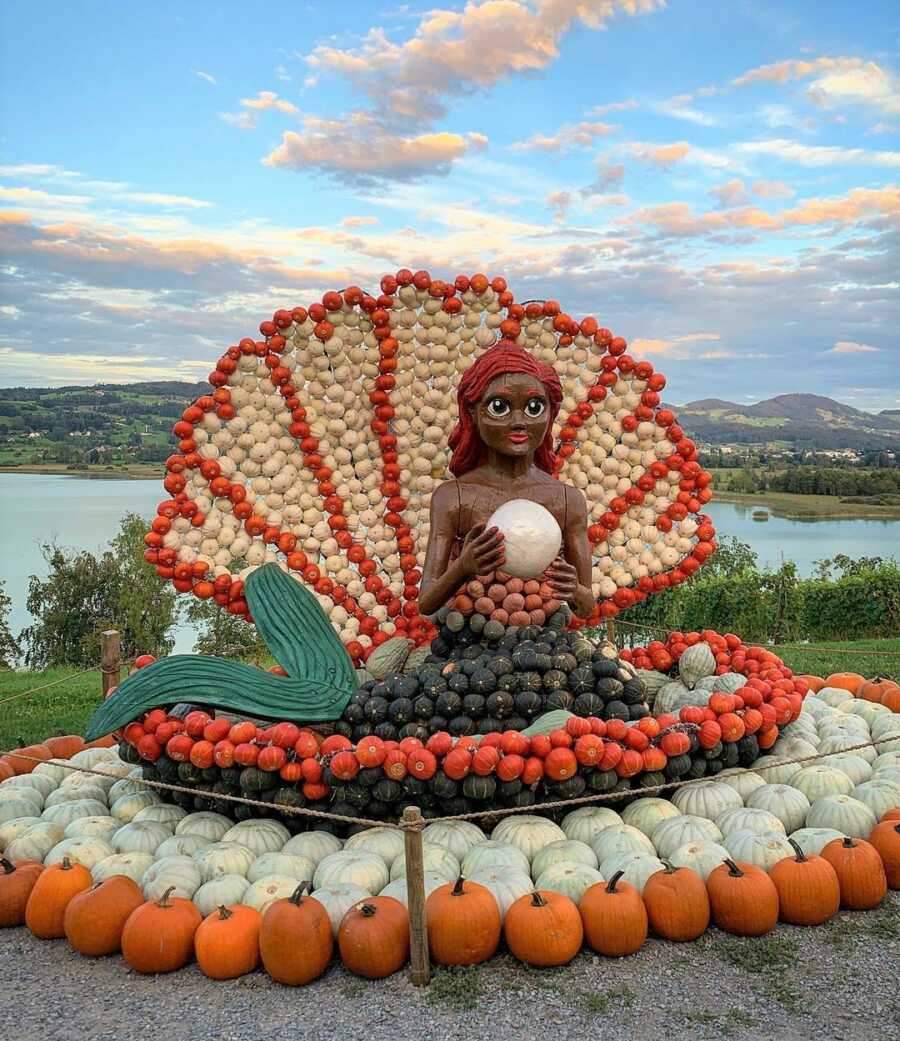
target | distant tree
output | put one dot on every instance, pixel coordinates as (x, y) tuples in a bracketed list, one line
[(224, 634), (9, 645)]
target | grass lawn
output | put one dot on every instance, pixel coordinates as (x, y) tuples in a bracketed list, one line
[(66, 707)]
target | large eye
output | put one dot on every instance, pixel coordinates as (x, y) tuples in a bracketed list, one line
[(498, 407), (535, 407)]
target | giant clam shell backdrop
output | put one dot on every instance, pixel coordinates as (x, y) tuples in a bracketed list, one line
[(320, 444)]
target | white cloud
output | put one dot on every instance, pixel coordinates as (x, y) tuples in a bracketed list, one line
[(731, 193), (852, 347), (818, 155), (559, 202), (679, 107), (241, 120), (204, 76), (358, 222), (793, 69), (614, 106), (658, 155), (581, 134), (269, 101), (867, 84)]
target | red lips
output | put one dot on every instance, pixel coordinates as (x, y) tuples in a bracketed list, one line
[(518, 439)]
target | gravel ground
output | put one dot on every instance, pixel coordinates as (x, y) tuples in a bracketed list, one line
[(835, 982)]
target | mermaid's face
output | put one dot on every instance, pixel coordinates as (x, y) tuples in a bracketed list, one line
[(513, 414)]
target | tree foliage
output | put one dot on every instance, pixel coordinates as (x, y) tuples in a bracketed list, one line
[(9, 645), (224, 635)]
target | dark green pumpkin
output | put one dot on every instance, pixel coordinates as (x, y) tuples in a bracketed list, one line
[(387, 790), (254, 780), (479, 788)]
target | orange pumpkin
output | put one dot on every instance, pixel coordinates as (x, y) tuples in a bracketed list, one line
[(64, 746), (295, 939), (742, 898), (159, 935), (890, 815), (227, 942), (677, 904), (24, 766), (94, 919), (374, 937), (6, 769), (885, 838), (50, 896), (16, 883), (102, 742), (860, 872), (614, 917), (808, 888), (875, 689), (815, 683), (543, 928), (463, 923), (849, 681), (891, 699)]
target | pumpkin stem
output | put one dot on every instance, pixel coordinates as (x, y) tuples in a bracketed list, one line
[(8, 866), (66, 864), (848, 843), (297, 896), (733, 869), (164, 899), (611, 886), (801, 856), (368, 910), (224, 913), (458, 887), (537, 900)]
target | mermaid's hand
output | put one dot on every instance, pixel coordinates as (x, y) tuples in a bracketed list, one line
[(482, 551)]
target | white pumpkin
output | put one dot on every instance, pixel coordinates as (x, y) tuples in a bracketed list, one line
[(645, 814), (621, 838), (565, 851), (132, 865), (814, 840), (505, 886), (144, 837), (54, 770), (338, 899), (224, 858), (66, 812), (83, 849), (788, 804), (571, 878), (290, 865), (746, 818), (880, 795), (84, 791), (702, 856), (98, 827), (88, 758), (868, 710), (128, 807), (436, 859), (182, 846), (885, 726), (818, 780), (127, 786), (636, 868), (36, 842), (889, 773), (762, 849), (583, 824), (313, 844), (774, 770), (75, 782), (695, 663), (833, 696), (358, 867), (397, 888), (262, 893), (258, 835), (36, 782), (743, 781), (668, 835), (207, 825), (388, 843), (854, 766), (221, 891), (845, 814), (794, 748), (884, 761), (527, 832), (15, 827), (706, 799), (162, 813), (532, 536), (181, 872), (457, 836), (21, 806), (847, 743)]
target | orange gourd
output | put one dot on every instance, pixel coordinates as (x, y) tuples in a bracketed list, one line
[(543, 928), (95, 918), (64, 746), (808, 888), (875, 689), (815, 683), (614, 917), (860, 872), (159, 935), (890, 815), (21, 765), (6, 770), (295, 939), (103, 742), (463, 923), (891, 699), (742, 898), (47, 903), (374, 937), (16, 882), (850, 681), (885, 838), (227, 942), (677, 904)]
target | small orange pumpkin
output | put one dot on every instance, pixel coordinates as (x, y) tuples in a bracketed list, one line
[(227, 942), (50, 896), (102, 742), (677, 904), (159, 935), (891, 699), (64, 746), (24, 766), (95, 918), (885, 838), (16, 883), (860, 872), (875, 689), (742, 898), (890, 815), (543, 928), (849, 681), (6, 769), (374, 937), (463, 923), (295, 939), (808, 888), (815, 683), (614, 917)]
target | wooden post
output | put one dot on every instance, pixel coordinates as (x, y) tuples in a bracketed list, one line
[(611, 630), (420, 969), (110, 663)]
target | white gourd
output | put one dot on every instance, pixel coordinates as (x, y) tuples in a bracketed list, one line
[(668, 835), (54, 770), (358, 867), (161, 813), (888, 773), (15, 827), (290, 865), (568, 851), (83, 849), (182, 846), (583, 824), (702, 856), (206, 824), (181, 872), (338, 899), (84, 791), (746, 818), (223, 858), (706, 799), (833, 696), (388, 843), (505, 886), (620, 838), (775, 770), (313, 844), (571, 878), (35, 782), (528, 833), (436, 859), (98, 827), (262, 893), (144, 837), (845, 814), (397, 888), (66, 812), (221, 891), (89, 758), (258, 835), (457, 836), (788, 804), (636, 868), (814, 840), (128, 807), (644, 814), (695, 663), (743, 781), (818, 780), (762, 849), (35, 843), (885, 760), (132, 865), (127, 786), (24, 806), (880, 795), (853, 765)]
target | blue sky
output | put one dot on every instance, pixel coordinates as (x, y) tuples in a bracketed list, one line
[(717, 182)]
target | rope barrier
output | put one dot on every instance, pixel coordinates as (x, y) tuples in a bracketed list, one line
[(305, 811)]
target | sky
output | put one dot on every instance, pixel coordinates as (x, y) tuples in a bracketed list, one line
[(716, 182)]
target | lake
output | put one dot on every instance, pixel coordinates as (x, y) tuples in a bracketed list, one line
[(85, 514)]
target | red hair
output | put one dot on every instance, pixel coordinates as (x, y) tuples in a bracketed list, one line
[(467, 446)]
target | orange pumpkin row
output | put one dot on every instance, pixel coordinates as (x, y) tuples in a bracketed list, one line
[(62, 747), (881, 689)]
